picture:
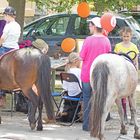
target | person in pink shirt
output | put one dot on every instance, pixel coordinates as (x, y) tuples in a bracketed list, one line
[(93, 46)]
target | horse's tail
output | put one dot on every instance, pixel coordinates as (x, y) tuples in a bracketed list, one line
[(100, 80), (43, 82)]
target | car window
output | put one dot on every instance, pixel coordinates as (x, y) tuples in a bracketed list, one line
[(59, 26), (81, 26), (116, 31), (133, 24), (28, 29), (42, 27), (137, 18), (37, 28)]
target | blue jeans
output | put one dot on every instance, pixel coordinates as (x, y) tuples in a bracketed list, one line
[(86, 105), (3, 50)]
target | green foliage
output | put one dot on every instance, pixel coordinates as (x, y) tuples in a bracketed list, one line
[(97, 5), (56, 5), (114, 5)]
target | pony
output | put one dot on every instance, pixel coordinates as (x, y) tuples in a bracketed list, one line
[(111, 77), (29, 70)]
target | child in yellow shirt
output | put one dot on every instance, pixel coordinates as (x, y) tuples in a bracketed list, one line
[(124, 47)]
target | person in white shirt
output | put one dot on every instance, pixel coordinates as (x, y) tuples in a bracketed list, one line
[(11, 32), (73, 67), (72, 88), (9, 38)]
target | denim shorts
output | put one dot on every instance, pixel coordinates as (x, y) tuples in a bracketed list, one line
[(3, 50)]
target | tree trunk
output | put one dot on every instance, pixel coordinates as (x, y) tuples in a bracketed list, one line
[(19, 6)]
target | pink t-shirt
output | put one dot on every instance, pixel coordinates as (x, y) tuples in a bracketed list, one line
[(93, 46)]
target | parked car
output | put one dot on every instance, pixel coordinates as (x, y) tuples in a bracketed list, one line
[(53, 29), (134, 14)]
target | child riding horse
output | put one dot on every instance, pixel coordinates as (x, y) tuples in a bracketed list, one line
[(29, 69)]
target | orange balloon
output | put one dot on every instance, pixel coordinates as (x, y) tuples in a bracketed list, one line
[(83, 10), (68, 45), (108, 22)]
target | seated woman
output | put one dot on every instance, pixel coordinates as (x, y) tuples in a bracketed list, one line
[(72, 88)]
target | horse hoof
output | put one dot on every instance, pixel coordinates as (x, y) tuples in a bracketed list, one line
[(39, 128), (32, 125), (136, 136), (131, 122), (123, 132)]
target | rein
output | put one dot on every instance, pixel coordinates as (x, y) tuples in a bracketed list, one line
[(126, 56)]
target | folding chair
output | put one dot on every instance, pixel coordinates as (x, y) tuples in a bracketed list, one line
[(12, 104), (56, 94), (69, 77), (53, 92)]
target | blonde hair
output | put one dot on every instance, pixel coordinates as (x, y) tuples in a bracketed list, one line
[(125, 30), (72, 58)]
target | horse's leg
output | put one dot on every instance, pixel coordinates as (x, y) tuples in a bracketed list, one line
[(131, 111), (121, 114), (123, 100), (32, 107), (133, 116), (31, 114), (40, 107)]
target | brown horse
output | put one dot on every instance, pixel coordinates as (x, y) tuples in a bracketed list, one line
[(29, 69)]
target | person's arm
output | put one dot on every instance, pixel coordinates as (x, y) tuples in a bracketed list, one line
[(83, 51), (1, 40)]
